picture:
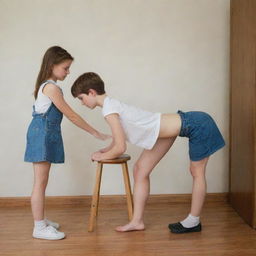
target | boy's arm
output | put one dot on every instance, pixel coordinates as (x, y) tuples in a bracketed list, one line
[(104, 150), (118, 145)]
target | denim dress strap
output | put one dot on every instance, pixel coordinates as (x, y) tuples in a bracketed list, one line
[(34, 113)]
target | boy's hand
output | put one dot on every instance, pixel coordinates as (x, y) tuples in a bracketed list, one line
[(96, 156), (102, 136)]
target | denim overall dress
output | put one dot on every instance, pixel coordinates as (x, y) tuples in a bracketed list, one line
[(44, 140)]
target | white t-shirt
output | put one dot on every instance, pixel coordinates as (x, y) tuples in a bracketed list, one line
[(43, 102), (141, 127)]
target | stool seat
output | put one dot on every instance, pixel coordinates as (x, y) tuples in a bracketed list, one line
[(121, 159)]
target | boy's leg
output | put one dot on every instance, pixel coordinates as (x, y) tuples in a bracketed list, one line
[(142, 169), (41, 175), (192, 222), (197, 170)]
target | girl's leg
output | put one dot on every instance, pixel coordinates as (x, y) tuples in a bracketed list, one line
[(43, 229), (142, 169), (41, 174)]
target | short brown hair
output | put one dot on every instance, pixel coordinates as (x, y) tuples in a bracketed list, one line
[(88, 81)]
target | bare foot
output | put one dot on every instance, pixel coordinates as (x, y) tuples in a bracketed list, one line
[(130, 227)]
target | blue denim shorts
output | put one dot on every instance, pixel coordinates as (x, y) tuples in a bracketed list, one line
[(202, 132)]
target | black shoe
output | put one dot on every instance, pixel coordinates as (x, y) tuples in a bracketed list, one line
[(179, 229)]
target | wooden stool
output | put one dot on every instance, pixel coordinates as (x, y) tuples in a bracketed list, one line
[(96, 194)]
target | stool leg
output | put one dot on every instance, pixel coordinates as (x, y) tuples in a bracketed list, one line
[(128, 190), (95, 198)]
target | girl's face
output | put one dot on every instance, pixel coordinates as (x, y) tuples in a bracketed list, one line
[(61, 70)]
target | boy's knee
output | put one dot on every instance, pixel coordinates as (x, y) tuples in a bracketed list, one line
[(192, 171), (197, 171), (42, 182), (135, 169), (139, 173)]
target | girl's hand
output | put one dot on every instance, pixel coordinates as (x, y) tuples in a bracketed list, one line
[(96, 156), (102, 136)]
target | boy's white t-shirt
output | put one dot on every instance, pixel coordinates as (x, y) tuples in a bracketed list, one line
[(43, 102), (141, 127)]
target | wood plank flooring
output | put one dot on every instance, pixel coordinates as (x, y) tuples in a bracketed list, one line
[(224, 232)]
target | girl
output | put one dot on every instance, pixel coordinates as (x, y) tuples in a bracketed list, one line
[(44, 140)]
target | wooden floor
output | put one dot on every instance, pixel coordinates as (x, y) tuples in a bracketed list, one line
[(224, 232)]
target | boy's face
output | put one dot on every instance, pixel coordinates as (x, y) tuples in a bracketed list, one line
[(88, 100)]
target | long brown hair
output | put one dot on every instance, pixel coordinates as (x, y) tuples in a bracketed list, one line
[(54, 55)]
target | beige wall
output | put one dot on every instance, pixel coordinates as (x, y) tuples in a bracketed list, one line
[(160, 55)]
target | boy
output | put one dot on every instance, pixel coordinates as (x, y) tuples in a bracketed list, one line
[(155, 132)]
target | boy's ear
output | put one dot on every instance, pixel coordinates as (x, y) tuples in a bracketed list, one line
[(92, 92)]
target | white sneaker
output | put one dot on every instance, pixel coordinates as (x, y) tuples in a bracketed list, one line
[(49, 233), (51, 223)]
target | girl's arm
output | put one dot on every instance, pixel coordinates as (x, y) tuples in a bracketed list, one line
[(57, 98), (118, 145)]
